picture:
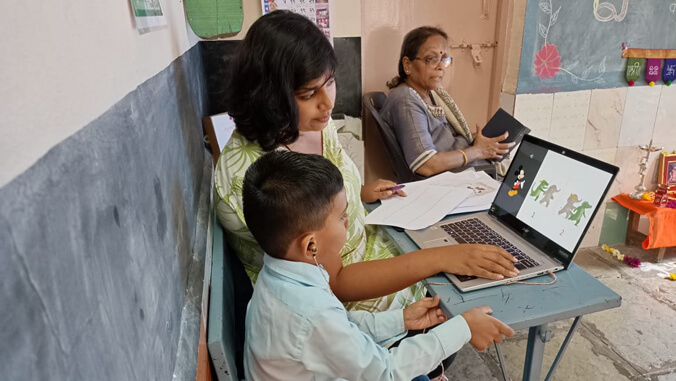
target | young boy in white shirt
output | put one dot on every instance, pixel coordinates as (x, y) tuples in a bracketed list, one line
[(296, 329)]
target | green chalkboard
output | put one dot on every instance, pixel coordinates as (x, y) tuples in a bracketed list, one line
[(211, 19), (573, 45)]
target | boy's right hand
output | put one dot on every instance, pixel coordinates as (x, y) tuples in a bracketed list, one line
[(484, 261), (485, 328)]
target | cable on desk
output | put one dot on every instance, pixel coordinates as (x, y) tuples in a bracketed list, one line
[(510, 282)]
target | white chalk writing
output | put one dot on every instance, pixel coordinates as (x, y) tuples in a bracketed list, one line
[(611, 13)]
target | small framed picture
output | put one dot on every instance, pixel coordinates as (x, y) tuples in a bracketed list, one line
[(668, 169)]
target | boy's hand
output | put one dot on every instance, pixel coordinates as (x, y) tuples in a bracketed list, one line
[(378, 190), (484, 261), (423, 314), (485, 328)]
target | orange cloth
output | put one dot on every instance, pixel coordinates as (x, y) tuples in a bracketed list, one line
[(662, 232)]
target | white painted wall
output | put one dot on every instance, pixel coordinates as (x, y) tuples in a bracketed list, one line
[(64, 63), (346, 16)]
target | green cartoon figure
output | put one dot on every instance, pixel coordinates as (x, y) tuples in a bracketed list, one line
[(578, 213), (539, 189)]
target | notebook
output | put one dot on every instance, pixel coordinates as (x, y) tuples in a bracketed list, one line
[(501, 122), (540, 214)]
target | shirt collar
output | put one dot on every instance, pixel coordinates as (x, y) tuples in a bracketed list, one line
[(299, 271)]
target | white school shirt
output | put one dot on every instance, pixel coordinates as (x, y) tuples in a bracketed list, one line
[(296, 329)]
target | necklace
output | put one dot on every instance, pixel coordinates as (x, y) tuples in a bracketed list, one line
[(436, 111)]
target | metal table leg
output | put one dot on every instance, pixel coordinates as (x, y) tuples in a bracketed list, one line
[(564, 345), (501, 360), (537, 336)]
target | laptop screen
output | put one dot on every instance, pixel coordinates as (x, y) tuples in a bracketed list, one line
[(551, 194)]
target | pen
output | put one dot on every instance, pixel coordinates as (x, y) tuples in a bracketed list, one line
[(396, 187)]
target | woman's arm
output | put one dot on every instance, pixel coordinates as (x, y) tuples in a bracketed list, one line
[(443, 161), (483, 148), (377, 278)]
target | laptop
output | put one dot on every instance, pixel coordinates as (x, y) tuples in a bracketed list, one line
[(540, 214)]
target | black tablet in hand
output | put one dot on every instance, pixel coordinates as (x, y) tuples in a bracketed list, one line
[(501, 122)]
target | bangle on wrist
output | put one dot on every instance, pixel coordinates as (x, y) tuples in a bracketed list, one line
[(464, 157)]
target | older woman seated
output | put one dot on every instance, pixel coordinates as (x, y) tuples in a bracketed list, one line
[(429, 126)]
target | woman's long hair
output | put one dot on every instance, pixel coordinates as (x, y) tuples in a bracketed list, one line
[(410, 47), (281, 52)]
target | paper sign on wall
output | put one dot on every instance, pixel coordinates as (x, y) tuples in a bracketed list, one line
[(148, 15), (316, 10)]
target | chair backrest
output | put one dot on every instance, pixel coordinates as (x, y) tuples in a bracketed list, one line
[(374, 102), (230, 293), (218, 128)]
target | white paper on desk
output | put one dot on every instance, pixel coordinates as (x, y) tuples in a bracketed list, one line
[(476, 201), (485, 188), (422, 208), (445, 179)]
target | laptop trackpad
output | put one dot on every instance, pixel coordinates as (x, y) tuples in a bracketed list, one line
[(439, 242)]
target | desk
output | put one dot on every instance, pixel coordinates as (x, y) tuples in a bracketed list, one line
[(662, 232), (574, 294)]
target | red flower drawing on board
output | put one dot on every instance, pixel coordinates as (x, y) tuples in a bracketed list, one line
[(547, 62)]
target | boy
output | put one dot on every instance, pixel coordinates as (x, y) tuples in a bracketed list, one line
[(296, 329)]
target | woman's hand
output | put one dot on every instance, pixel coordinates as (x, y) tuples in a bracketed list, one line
[(484, 261), (378, 190), (423, 314), (490, 148)]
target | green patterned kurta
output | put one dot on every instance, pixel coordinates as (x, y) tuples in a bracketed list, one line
[(364, 242)]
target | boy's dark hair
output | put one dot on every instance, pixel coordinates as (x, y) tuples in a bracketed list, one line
[(410, 47), (281, 52), (286, 194)]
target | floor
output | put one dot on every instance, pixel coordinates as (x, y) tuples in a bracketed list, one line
[(634, 342)]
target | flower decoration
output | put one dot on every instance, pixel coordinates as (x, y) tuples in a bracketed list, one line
[(632, 262), (547, 62)]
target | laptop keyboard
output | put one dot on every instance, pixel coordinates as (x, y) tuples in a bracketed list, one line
[(474, 231)]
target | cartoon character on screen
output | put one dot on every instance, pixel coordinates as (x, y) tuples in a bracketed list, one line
[(549, 195), (518, 184), (539, 189), (578, 213), (570, 205)]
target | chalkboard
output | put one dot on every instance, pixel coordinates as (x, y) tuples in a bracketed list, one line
[(587, 37)]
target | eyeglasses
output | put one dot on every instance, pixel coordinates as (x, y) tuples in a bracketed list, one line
[(434, 61)]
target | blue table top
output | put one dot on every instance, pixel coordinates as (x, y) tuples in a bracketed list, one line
[(575, 293)]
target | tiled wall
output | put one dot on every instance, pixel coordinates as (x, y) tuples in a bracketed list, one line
[(607, 124)]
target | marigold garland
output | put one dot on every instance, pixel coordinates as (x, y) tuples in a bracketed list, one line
[(633, 262)]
